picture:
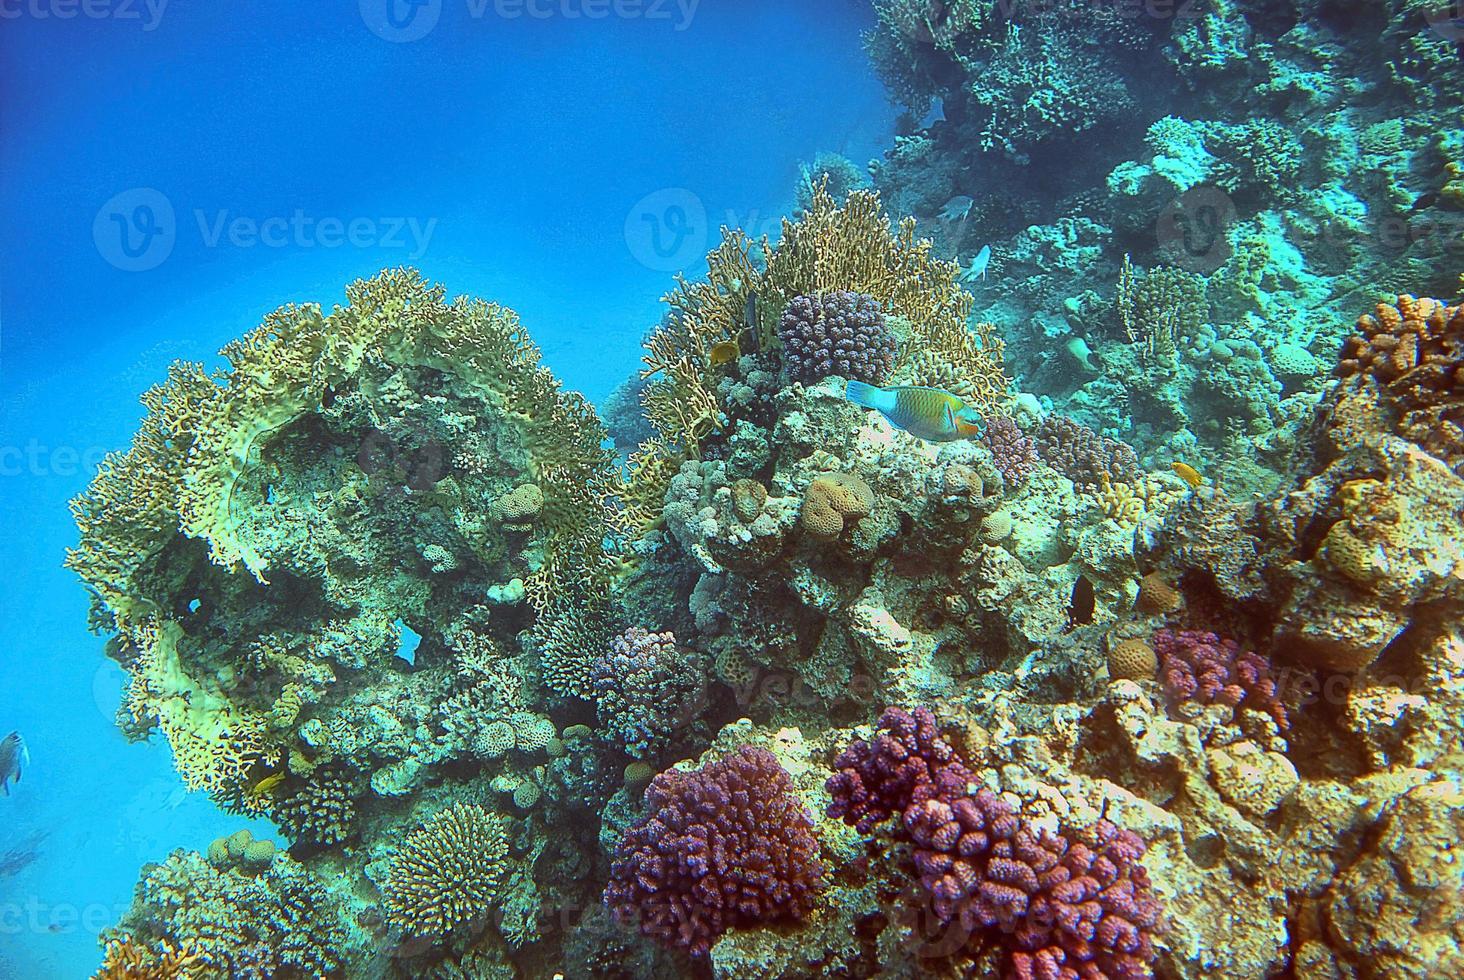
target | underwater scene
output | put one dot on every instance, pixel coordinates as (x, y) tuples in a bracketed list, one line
[(751, 490)]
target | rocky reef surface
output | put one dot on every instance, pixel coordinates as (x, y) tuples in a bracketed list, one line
[(1161, 675)]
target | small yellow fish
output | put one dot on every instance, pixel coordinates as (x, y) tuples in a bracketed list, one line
[(1188, 474), (932, 414), (267, 785), (724, 352)]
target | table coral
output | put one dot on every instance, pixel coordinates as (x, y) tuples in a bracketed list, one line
[(723, 847)]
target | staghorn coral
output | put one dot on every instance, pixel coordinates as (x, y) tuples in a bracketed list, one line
[(447, 872), (839, 333), (646, 690), (726, 846), (832, 502), (1199, 668), (322, 812), (569, 636), (253, 926), (1072, 904)]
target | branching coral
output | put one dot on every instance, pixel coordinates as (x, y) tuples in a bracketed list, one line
[(1084, 456), (1202, 668), (281, 922), (127, 959), (1071, 905), (448, 871), (830, 248), (841, 333), (646, 689), (727, 846), (1015, 453)]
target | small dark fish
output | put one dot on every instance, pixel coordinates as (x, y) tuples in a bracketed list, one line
[(1424, 201), (749, 314), (1080, 608), (13, 757)]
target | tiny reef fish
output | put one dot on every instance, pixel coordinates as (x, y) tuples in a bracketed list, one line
[(978, 265), (724, 352), (1188, 474), (13, 756), (1080, 606), (932, 414), (957, 208)]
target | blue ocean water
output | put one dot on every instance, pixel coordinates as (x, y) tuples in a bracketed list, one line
[(175, 170)]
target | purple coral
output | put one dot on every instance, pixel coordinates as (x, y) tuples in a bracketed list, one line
[(1205, 669), (1085, 456), (1064, 906), (1016, 454), (726, 846), (645, 688), (840, 333)]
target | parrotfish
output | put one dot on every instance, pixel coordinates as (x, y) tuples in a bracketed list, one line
[(932, 414), (978, 265), (13, 755)]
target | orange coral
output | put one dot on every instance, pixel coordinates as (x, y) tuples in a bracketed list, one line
[(831, 501), (127, 959)]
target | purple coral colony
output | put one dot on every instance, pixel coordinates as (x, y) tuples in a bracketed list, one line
[(743, 682)]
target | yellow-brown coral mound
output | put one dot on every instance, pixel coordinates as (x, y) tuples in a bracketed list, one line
[(448, 871), (128, 959), (831, 501), (1413, 350)]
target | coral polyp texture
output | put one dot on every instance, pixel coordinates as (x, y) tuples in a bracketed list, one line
[(1201, 668), (447, 873), (727, 846), (838, 333), (646, 688), (1060, 906)]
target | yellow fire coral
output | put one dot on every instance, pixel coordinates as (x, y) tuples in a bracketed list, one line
[(128, 959), (448, 871)]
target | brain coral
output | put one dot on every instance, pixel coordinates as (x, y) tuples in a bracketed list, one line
[(645, 689), (839, 333), (448, 871), (831, 501), (726, 846)]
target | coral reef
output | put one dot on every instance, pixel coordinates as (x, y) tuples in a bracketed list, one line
[(1202, 669), (646, 689), (726, 846)]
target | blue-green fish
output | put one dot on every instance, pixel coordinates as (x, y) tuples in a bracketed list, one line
[(13, 754), (932, 414)]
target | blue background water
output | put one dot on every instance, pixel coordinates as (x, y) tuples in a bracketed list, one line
[(563, 166)]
